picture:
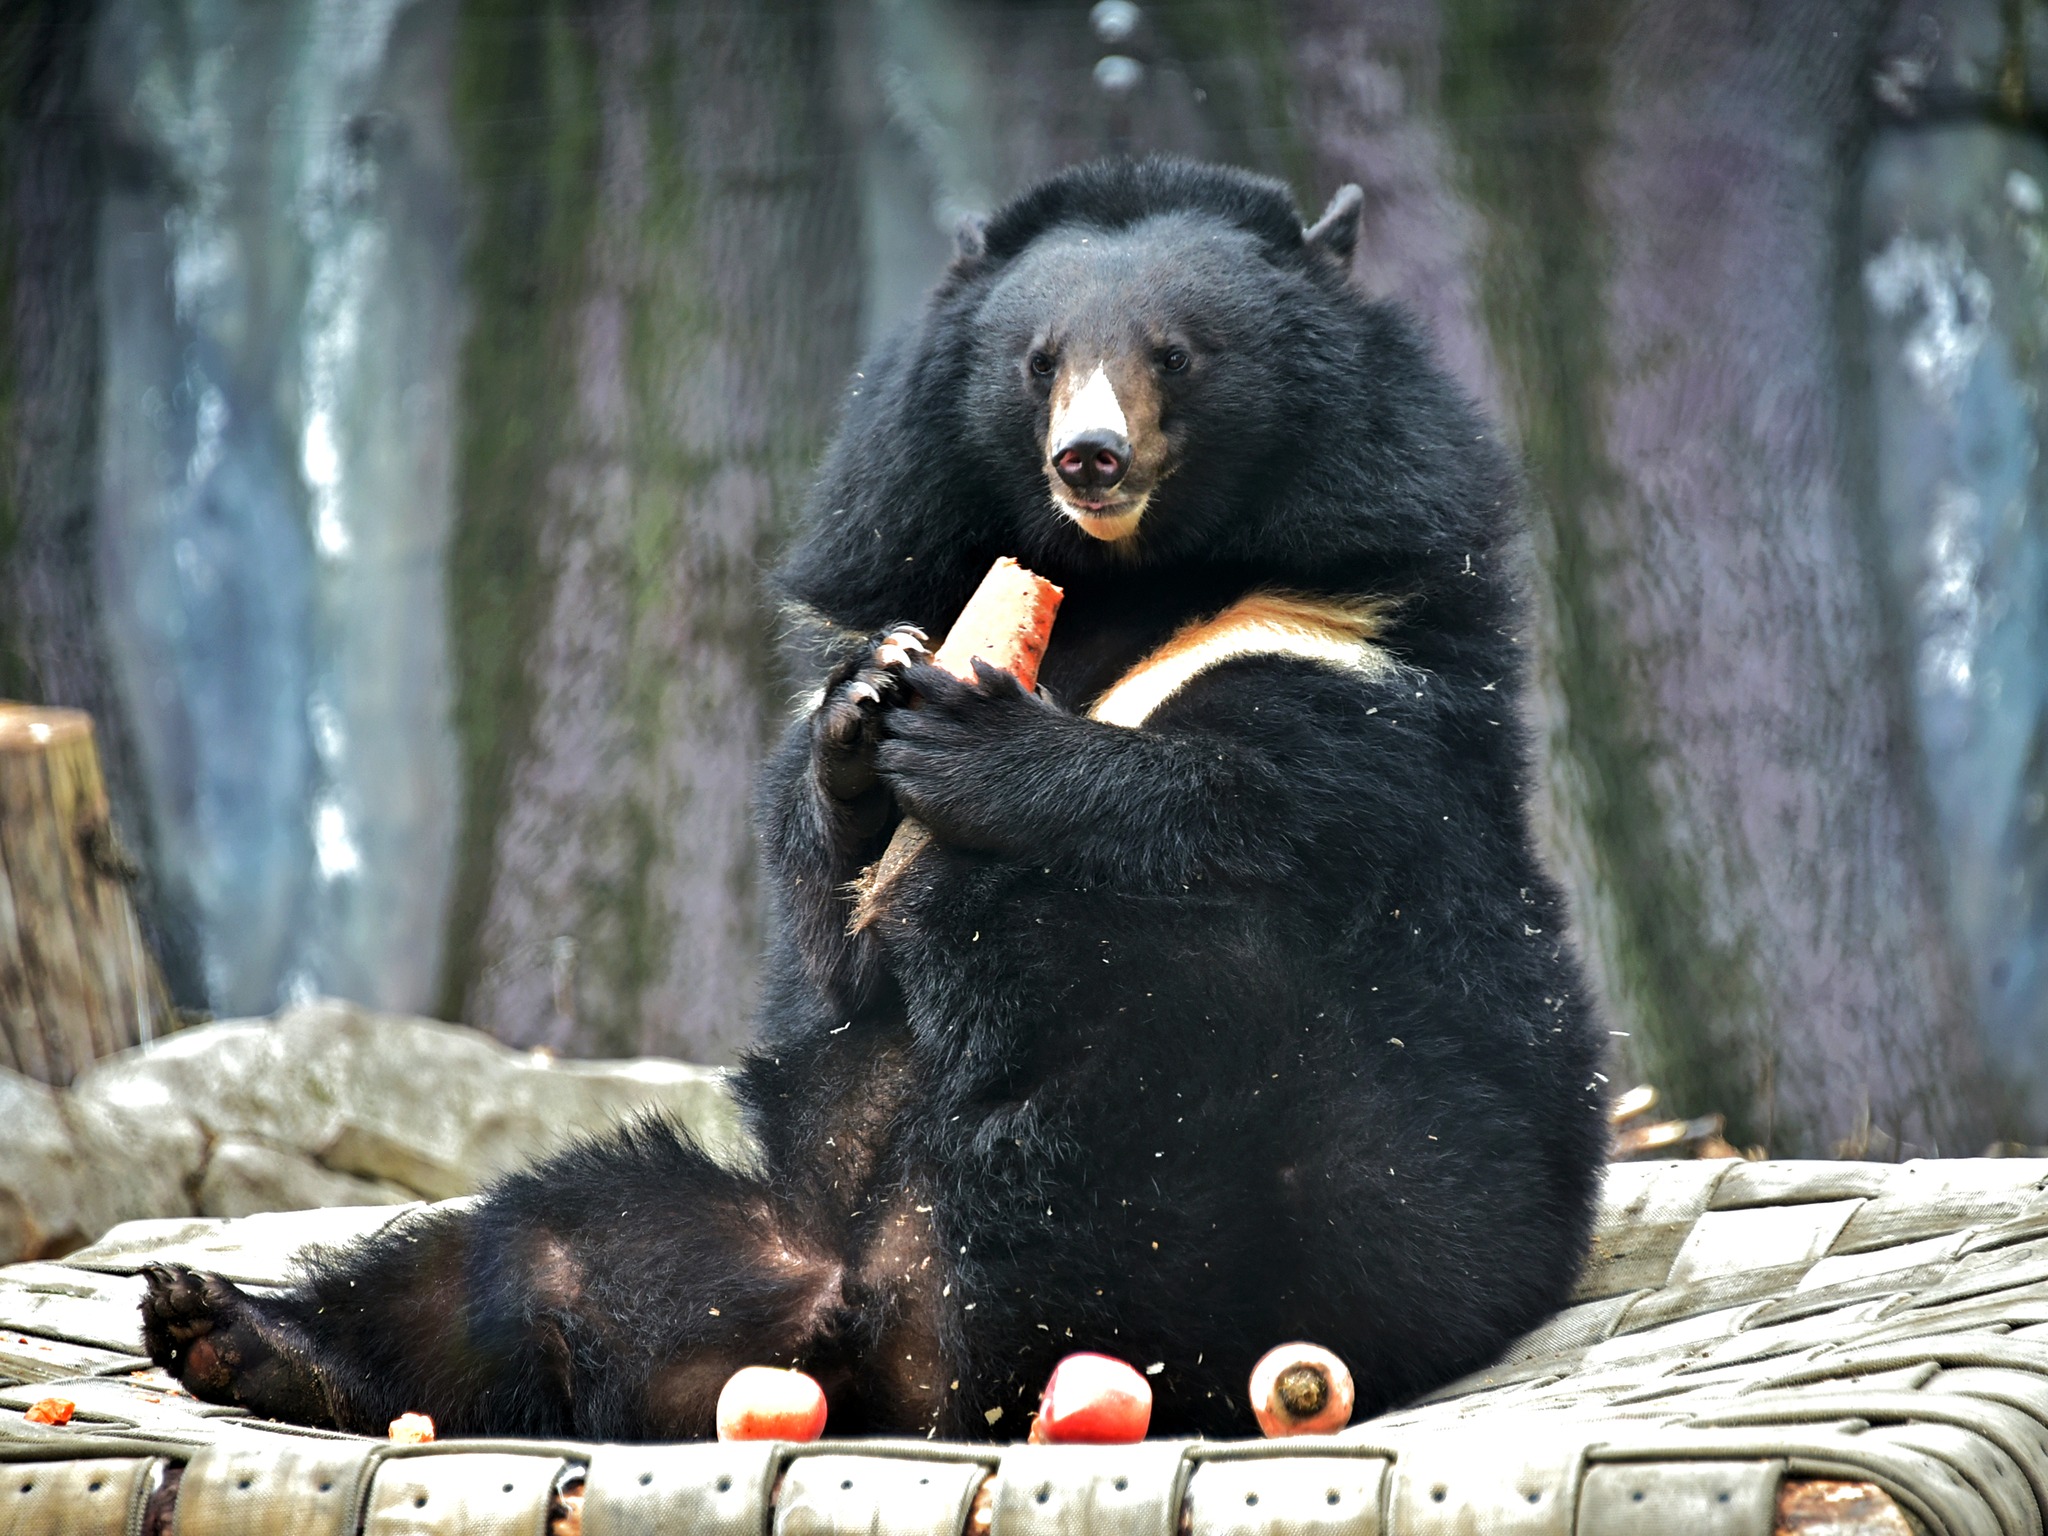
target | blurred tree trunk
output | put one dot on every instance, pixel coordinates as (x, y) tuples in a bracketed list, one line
[(666, 291), (1653, 252), (957, 107), (52, 649), (1369, 79), (1954, 304)]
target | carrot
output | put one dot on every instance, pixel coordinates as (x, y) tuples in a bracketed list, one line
[(1007, 623), (759, 1402), (51, 1410), (1300, 1389)]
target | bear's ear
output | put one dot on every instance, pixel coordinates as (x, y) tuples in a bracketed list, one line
[(970, 243), (1336, 232)]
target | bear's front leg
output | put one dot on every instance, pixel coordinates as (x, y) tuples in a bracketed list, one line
[(961, 757), (823, 814), (990, 768)]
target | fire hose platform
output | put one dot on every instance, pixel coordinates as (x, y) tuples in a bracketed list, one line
[(1817, 1347)]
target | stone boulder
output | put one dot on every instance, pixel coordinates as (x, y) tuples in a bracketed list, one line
[(324, 1105)]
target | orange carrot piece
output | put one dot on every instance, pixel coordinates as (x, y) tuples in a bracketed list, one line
[(51, 1410), (1300, 1389), (1007, 623)]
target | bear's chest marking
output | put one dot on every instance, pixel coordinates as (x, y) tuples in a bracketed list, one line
[(1326, 631)]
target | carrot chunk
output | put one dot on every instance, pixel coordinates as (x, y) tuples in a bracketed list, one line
[(1007, 623), (1300, 1389), (51, 1410)]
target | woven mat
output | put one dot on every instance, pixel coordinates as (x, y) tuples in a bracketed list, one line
[(1740, 1324)]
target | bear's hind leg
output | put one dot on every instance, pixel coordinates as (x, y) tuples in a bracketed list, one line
[(216, 1339), (384, 1327), (607, 1293)]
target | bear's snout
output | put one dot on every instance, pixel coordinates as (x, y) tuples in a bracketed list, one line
[(1103, 448), (1093, 461)]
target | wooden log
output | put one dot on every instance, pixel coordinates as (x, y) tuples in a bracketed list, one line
[(76, 981)]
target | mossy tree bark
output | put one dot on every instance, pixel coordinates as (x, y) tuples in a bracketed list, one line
[(52, 644), (666, 298), (1731, 747), (1369, 95), (76, 982), (1623, 224)]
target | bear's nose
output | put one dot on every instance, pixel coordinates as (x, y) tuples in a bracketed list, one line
[(1093, 460)]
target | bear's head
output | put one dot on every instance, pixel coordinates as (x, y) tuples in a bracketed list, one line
[(1150, 337)]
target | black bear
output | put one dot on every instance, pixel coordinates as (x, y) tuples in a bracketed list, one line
[(1228, 1004)]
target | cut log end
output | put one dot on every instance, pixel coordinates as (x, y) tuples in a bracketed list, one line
[(35, 728), (76, 982)]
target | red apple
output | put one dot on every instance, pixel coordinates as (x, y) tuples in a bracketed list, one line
[(1093, 1400), (1301, 1389), (760, 1402)]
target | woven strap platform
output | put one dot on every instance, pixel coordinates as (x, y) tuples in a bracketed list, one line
[(1756, 1347)]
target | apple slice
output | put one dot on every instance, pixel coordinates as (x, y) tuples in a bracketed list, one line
[(759, 1402), (1093, 1399)]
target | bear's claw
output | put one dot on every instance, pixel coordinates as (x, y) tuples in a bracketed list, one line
[(844, 725)]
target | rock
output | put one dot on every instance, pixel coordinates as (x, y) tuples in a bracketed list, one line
[(234, 1079), (436, 1108), (138, 1156), (325, 1105), (69, 1169), (39, 1188), (245, 1177)]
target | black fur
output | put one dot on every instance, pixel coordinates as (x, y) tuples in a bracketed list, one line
[(1251, 1024)]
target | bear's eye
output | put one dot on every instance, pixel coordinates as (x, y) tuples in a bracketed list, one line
[(1173, 359), (1041, 364)]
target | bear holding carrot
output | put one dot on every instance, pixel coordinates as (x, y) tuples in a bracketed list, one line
[(1203, 992)]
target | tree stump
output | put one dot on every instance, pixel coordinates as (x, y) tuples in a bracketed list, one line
[(76, 982)]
